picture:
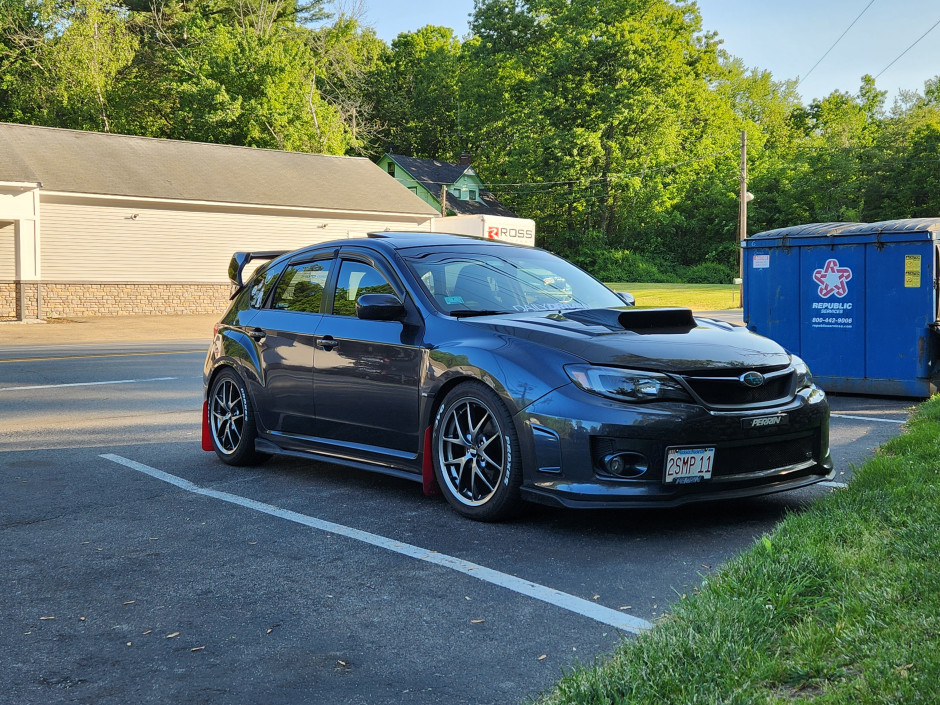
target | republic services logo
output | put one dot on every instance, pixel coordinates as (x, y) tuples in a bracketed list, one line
[(832, 279)]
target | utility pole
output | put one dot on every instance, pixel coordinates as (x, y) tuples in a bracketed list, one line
[(742, 205), (443, 201)]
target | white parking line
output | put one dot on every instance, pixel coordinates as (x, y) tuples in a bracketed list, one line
[(86, 384), (592, 610), (56, 358), (866, 418)]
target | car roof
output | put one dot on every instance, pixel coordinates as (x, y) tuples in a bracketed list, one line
[(400, 240), (391, 241)]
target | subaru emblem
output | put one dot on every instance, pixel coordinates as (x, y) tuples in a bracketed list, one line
[(752, 379)]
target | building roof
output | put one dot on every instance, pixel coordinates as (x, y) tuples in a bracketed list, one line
[(433, 174), (120, 165)]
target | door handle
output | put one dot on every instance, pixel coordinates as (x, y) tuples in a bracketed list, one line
[(327, 343), (257, 334)]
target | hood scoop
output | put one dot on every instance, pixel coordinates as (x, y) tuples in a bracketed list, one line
[(644, 321)]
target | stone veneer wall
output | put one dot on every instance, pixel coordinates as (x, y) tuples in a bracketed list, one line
[(7, 299), (80, 299)]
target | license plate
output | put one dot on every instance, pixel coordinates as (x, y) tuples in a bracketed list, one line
[(689, 464)]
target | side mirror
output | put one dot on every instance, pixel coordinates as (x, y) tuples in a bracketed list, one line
[(379, 307), (626, 297)]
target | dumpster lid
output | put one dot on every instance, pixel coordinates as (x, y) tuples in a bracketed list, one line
[(807, 230), (906, 225), (903, 225)]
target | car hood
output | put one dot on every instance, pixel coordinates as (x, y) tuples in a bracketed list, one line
[(667, 340)]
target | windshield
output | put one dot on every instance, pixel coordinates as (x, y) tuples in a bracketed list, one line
[(481, 279)]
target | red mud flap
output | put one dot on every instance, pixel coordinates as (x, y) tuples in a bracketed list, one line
[(428, 481), (206, 436)]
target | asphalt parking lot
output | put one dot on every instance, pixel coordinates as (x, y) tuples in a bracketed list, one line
[(142, 570)]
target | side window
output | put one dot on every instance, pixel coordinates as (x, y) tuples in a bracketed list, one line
[(356, 279), (301, 287), (262, 285)]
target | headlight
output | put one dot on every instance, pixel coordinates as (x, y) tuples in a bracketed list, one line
[(804, 378), (626, 385)]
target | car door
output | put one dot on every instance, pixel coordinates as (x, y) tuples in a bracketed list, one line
[(284, 330), (367, 373)]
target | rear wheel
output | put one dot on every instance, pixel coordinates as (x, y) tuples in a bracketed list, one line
[(476, 453), (231, 422)]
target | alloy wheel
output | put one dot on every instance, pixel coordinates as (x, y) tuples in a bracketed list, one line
[(471, 452), (227, 415)]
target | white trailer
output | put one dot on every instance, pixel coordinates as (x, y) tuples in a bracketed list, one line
[(520, 231)]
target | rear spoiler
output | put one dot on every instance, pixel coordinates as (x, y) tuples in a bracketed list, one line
[(237, 266)]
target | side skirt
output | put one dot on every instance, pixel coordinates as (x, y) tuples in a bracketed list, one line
[(264, 446)]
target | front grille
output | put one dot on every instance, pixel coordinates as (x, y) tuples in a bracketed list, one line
[(751, 458), (730, 391)]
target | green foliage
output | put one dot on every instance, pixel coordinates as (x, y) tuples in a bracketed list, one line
[(235, 85), (708, 273), (251, 72), (414, 89), (61, 61)]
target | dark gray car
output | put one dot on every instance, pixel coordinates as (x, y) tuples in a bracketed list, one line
[(496, 374)]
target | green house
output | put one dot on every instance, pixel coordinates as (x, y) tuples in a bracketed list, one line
[(427, 178)]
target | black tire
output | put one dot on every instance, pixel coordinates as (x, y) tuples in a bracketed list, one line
[(476, 453), (231, 421)]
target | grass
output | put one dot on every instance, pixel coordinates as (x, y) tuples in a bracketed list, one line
[(698, 297), (839, 605)]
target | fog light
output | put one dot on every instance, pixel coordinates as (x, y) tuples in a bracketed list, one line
[(626, 465), (615, 465)]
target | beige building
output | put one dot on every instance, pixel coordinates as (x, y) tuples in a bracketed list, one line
[(101, 224)]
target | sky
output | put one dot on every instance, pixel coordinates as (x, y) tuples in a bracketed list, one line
[(785, 37)]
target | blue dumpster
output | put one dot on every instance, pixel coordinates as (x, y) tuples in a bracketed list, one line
[(857, 301)]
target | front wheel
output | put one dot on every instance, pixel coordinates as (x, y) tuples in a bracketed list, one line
[(231, 423), (476, 453)]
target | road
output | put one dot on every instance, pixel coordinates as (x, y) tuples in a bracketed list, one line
[(140, 569)]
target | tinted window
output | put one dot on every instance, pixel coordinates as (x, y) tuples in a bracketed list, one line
[(356, 279), (262, 285), (301, 287)]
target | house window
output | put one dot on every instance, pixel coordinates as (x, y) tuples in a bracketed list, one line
[(391, 168), (473, 195)]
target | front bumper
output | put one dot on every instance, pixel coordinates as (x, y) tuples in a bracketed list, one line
[(567, 434)]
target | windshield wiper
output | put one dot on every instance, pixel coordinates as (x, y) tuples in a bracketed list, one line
[(468, 313)]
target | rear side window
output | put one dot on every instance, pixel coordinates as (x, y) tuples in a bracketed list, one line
[(301, 287), (262, 285)]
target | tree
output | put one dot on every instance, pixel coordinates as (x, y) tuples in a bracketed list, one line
[(62, 61), (244, 73), (604, 100), (347, 55), (414, 91)]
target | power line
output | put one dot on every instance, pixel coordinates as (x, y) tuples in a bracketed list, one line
[(836, 42), (909, 48), (601, 179)]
